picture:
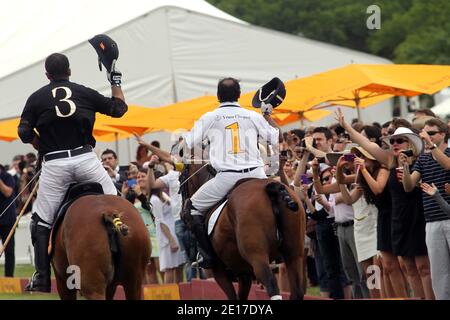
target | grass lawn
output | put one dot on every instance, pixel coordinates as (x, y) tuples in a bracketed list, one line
[(25, 271), (21, 270)]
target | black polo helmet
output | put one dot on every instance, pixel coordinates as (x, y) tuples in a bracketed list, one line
[(273, 93), (107, 50)]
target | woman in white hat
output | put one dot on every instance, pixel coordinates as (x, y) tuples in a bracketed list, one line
[(408, 222)]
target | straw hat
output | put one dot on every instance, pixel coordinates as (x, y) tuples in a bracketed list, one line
[(363, 151)]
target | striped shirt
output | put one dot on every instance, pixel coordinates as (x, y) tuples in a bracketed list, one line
[(432, 172)]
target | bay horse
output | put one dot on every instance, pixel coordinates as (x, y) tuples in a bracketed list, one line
[(105, 237), (255, 227)]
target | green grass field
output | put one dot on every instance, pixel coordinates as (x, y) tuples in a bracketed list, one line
[(25, 271)]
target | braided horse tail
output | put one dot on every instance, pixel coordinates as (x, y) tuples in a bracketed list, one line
[(115, 228), (279, 197)]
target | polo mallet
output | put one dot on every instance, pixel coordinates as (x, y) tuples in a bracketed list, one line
[(18, 219)]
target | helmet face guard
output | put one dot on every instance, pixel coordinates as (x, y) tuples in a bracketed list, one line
[(273, 93), (107, 50)]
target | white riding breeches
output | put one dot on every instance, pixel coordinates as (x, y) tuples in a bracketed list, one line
[(218, 187), (57, 175)]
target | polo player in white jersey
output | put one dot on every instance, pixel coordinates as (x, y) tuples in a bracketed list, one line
[(232, 133)]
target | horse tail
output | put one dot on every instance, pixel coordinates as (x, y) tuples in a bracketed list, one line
[(278, 196), (114, 228), (113, 222)]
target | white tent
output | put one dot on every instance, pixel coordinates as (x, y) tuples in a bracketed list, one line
[(442, 109), (169, 51)]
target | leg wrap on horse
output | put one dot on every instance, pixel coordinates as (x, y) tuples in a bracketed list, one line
[(204, 244), (40, 235)]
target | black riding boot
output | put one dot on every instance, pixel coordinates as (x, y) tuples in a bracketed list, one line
[(204, 245), (40, 234)]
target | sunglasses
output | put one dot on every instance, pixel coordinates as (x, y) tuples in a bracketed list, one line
[(397, 141), (432, 133)]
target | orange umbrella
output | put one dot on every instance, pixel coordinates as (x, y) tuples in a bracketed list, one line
[(359, 85), (8, 131)]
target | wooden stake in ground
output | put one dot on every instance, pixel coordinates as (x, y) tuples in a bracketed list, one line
[(18, 219)]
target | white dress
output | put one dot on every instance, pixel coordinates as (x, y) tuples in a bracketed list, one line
[(365, 229), (163, 214)]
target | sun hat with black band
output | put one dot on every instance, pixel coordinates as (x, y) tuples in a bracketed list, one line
[(413, 138)]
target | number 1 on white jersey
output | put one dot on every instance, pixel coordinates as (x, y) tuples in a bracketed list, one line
[(234, 127)]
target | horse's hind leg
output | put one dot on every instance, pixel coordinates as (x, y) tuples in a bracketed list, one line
[(110, 291), (133, 289), (224, 281), (63, 291), (245, 284), (265, 275), (294, 270)]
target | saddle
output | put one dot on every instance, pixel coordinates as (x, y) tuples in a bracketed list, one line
[(74, 192), (220, 205)]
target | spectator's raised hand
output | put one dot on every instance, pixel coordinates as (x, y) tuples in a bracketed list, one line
[(319, 198), (137, 189), (154, 159), (402, 159), (426, 138), (430, 190), (339, 116), (309, 143), (315, 164), (125, 188), (140, 141), (303, 194), (360, 162)]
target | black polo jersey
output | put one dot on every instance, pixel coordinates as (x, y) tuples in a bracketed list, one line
[(63, 114)]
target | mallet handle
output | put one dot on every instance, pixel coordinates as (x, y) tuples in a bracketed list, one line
[(2, 249)]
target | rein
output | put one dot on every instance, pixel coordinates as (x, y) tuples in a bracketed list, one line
[(188, 178)]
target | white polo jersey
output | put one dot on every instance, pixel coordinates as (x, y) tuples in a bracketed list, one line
[(233, 134)]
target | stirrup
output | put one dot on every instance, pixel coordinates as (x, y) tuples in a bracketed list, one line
[(200, 262), (36, 288)]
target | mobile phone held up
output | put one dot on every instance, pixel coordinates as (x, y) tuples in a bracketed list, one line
[(408, 153), (131, 183), (350, 157), (305, 179)]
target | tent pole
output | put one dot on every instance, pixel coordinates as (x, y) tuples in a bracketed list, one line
[(129, 149), (116, 136), (357, 102)]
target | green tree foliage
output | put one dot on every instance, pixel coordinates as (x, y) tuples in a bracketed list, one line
[(412, 31)]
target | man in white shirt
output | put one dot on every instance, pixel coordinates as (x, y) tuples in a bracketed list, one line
[(232, 133)]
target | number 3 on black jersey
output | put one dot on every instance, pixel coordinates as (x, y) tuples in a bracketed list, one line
[(72, 105)]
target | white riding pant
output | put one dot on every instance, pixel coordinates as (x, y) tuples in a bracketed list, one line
[(218, 187), (57, 175)]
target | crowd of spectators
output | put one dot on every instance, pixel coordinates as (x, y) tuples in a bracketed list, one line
[(376, 198)]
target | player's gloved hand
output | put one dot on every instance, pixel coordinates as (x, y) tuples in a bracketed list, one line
[(114, 76), (266, 108)]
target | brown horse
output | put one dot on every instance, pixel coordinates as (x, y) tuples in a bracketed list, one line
[(255, 227), (105, 237)]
